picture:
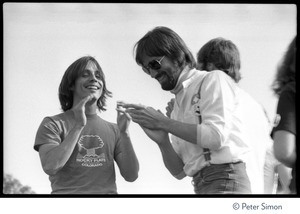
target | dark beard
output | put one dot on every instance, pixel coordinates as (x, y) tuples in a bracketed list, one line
[(169, 85)]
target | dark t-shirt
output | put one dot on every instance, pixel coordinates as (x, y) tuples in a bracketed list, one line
[(90, 169), (286, 119)]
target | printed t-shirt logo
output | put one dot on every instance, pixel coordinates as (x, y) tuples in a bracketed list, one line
[(89, 154)]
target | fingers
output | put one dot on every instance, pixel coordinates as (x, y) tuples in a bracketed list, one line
[(81, 104), (171, 103), (120, 103), (170, 107), (128, 117), (160, 111), (130, 105), (132, 114), (91, 97), (122, 111), (120, 108), (137, 112)]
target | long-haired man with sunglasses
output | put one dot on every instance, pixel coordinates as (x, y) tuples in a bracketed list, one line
[(207, 140)]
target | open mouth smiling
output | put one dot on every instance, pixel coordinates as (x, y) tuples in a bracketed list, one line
[(93, 87), (160, 77)]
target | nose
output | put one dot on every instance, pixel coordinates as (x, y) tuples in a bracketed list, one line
[(93, 78)]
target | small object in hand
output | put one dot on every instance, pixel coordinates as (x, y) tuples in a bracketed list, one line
[(120, 105)]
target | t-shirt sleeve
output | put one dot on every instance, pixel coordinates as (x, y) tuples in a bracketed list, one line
[(48, 133), (286, 114)]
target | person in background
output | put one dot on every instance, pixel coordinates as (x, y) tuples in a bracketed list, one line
[(77, 148), (208, 141), (222, 54), (284, 131)]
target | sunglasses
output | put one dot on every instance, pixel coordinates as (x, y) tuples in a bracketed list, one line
[(154, 65)]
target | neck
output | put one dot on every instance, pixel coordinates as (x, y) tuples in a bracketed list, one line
[(182, 77), (91, 109)]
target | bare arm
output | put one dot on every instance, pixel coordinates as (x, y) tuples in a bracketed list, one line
[(171, 159), (185, 131), (285, 147), (54, 157), (127, 160)]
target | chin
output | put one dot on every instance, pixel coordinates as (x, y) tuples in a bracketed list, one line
[(167, 87)]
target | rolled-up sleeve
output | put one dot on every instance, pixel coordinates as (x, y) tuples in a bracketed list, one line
[(217, 104)]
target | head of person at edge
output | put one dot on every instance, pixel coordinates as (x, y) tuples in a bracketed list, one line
[(163, 56)]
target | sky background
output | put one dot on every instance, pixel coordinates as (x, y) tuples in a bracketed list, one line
[(42, 39)]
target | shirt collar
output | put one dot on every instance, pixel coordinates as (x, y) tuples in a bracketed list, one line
[(184, 79)]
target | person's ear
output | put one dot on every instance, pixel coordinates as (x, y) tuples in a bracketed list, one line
[(200, 66), (176, 64), (210, 67)]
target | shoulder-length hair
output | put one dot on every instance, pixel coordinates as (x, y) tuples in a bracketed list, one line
[(224, 54), (68, 81), (162, 41), (286, 70)]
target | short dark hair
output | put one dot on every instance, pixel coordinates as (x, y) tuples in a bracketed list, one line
[(162, 41), (286, 71), (68, 81), (224, 54)]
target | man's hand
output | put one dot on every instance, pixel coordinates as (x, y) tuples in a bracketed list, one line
[(146, 117), (79, 110), (170, 107), (158, 136), (123, 118)]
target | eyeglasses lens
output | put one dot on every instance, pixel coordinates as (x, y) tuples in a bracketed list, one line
[(154, 65)]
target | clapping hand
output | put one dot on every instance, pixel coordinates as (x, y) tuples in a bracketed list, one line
[(79, 110), (148, 118), (123, 118), (170, 107)]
